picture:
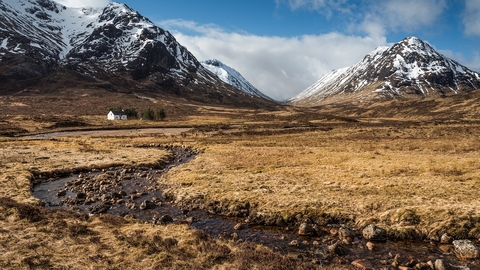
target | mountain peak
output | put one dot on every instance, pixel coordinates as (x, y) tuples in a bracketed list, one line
[(233, 77), (410, 68), (112, 45)]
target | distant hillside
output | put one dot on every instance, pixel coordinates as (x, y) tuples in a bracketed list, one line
[(410, 69), (232, 77)]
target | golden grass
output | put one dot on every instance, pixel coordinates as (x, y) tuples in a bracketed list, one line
[(32, 237), (356, 175)]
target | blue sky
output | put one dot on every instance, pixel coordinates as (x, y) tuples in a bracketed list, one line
[(283, 46)]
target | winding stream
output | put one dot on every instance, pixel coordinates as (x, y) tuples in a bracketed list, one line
[(135, 192)]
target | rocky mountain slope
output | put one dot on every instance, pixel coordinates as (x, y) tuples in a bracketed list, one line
[(45, 45), (410, 69), (232, 77)]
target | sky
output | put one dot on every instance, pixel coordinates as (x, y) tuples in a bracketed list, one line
[(284, 46)]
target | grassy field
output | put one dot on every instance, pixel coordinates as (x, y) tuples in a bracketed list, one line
[(415, 179)]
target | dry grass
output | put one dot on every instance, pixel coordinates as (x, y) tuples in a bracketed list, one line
[(32, 237), (419, 180), (414, 180)]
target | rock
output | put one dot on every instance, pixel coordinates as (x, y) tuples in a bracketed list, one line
[(441, 265), (305, 229), (294, 243), (337, 249), (99, 208), (190, 220), (374, 233), (446, 239), (446, 248), (146, 204), (370, 246), (239, 226), (61, 193), (422, 266), (165, 219), (405, 268), (346, 233), (363, 264), (465, 249)]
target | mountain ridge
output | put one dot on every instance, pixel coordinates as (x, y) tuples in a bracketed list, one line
[(233, 77), (115, 47), (408, 69)]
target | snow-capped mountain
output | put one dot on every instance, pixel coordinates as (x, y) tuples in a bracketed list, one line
[(410, 68), (115, 43), (232, 77)]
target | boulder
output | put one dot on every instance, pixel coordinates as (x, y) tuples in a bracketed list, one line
[(465, 249), (374, 233)]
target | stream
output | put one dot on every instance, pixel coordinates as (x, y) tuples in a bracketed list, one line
[(134, 192)]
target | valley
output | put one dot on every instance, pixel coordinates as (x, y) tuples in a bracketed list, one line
[(283, 169), (374, 166)]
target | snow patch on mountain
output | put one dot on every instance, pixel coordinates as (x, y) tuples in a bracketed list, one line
[(408, 68), (233, 77)]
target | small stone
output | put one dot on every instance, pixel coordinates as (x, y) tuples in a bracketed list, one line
[(404, 268), (165, 219), (239, 226), (422, 266), (294, 243), (374, 233), (190, 220), (440, 265), (337, 249), (144, 205), (446, 248), (305, 229), (61, 193), (446, 239), (316, 243), (465, 249), (370, 246), (363, 264), (346, 233)]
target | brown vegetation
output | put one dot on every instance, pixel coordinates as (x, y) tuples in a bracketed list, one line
[(416, 179)]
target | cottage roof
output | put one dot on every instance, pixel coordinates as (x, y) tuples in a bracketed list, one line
[(115, 112)]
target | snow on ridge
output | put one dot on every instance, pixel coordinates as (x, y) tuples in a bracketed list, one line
[(231, 76), (408, 63)]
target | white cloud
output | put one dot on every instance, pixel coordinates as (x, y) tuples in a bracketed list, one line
[(279, 67), (84, 3), (472, 63), (471, 17), (401, 15)]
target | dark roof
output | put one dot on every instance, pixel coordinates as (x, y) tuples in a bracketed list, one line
[(118, 112)]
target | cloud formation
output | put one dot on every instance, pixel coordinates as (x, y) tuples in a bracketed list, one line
[(471, 17), (401, 15), (280, 67), (83, 3)]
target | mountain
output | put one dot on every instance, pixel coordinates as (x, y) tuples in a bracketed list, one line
[(410, 69), (45, 45), (232, 77)]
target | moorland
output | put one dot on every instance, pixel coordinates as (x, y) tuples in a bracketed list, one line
[(415, 174)]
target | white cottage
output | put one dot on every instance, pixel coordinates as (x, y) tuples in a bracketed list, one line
[(117, 115)]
